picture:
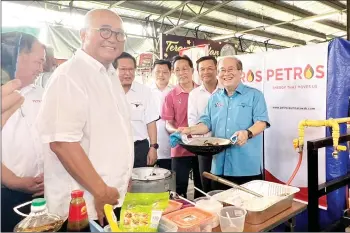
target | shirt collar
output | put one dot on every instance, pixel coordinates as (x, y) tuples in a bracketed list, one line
[(93, 62), (25, 90), (155, 87), (179, 90), (202, 88), (240, 89), (133, 86)]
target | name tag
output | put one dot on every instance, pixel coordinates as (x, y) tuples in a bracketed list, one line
[(219, 105)]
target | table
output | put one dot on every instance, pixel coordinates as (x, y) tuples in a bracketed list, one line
[(285, 216)]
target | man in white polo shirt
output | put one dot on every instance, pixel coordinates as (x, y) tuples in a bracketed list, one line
[(85, 118), (197, 101), (143, 109), (161, 87)]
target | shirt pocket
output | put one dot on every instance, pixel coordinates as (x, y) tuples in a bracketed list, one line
[(137, 112), (244, 115)]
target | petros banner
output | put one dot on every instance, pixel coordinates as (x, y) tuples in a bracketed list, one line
[(294, 83)]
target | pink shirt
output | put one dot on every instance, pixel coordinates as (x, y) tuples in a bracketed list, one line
[(175, 108)]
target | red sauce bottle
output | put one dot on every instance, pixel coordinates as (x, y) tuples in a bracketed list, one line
[(78, 218)]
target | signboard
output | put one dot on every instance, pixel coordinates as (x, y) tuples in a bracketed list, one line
[(294, 83), (171, 45)]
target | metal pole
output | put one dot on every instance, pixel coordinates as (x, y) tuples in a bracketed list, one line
[(348, 21), (312, 178)]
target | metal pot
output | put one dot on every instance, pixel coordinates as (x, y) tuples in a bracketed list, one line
[(152, 180)]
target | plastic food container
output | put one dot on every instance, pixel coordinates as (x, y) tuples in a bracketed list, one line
[(165, 225), (192, 219), (232, 219), (213, 207), (201, 198), (172, 206), (185, 204)]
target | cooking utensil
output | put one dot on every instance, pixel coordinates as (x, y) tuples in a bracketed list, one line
[(230, 183), (196, 145)]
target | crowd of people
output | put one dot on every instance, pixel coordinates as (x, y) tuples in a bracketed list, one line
[(93, 123)]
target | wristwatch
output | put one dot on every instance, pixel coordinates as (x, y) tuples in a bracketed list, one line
[(250, 134), (155, 146)]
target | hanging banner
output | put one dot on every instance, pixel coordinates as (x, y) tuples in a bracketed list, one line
[(194, 53), (170, 46), (294, 83), (145, 60)]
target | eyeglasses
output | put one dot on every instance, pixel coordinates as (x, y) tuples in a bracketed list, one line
[(229, 71), (106, 33)]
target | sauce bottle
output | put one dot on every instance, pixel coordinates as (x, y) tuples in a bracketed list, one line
[(78, 217)]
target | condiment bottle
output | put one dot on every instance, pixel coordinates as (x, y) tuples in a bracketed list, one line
[(78, 217)]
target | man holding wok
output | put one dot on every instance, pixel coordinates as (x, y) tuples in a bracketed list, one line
[(235, 110)]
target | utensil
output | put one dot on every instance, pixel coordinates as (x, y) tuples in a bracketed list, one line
[(201, 191), (198, 147), (182, 198), (229, 219), (230, 183), (112, 220)]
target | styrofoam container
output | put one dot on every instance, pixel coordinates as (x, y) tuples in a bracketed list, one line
[(192, 219)]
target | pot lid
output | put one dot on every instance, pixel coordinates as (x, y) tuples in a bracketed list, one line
[(149, 173)]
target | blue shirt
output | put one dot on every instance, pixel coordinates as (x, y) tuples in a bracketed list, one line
[(224, 115)]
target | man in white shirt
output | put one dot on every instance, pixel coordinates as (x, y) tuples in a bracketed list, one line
[(197, 102), (161, 87), (22, 158), (85, 119), (144, 112)]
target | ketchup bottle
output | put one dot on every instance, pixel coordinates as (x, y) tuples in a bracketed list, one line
[(78, 218)]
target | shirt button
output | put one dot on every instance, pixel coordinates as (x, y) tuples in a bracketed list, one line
[(228, 119), (229, 108), (228, 130)]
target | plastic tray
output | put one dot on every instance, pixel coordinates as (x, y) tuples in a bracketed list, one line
[(192, 219), (172, 206), (258, 212)]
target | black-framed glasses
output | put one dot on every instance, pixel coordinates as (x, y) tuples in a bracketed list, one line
[(106, 33)]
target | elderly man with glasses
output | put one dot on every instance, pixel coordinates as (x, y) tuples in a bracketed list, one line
[(86, 121), (236, 110)]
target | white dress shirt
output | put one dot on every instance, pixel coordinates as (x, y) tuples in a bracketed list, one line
[(22, 150), (142, 108), (197, 102), (162, 133), (84, 102)]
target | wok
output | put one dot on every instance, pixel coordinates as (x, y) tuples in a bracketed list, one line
[(196, 145)]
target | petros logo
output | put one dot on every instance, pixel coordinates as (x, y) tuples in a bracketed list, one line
[(295, 73), (251, 76)]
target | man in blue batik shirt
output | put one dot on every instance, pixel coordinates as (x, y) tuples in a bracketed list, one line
[(240, 110)]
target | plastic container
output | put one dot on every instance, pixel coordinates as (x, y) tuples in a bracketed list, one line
[(201, 198), (185, 204), (172, 206), (39, 220), (212, 193), (165, 225), (213, 207), (192, 219), (236, 215)]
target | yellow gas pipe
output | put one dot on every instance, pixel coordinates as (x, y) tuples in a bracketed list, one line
[(298, 143)]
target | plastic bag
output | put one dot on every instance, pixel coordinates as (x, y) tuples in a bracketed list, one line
[(141, 212)]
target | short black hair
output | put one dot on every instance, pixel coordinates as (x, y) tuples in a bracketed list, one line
[(124, 55), (206, 58), (184, 57), (162, 62)]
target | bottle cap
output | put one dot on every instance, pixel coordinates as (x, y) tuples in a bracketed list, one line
[(77, 193), (38, 202)]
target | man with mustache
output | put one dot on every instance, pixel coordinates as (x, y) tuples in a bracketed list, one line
[(144, 111), (236, 110), (197, 101), (85, 119), (174, 112)]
